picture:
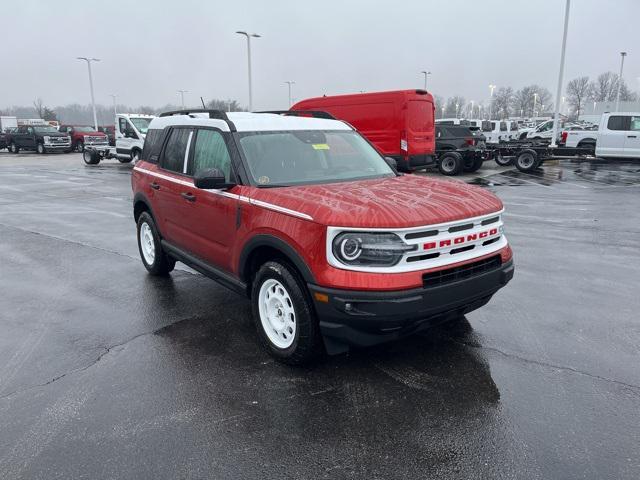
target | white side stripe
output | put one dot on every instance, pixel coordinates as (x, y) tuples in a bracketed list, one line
[(241, 198)]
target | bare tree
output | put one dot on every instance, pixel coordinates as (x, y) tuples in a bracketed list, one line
[(604, 88), (450, 109), (38, 105), (502, 101), (438, 102), (577, 92), (524, 99)]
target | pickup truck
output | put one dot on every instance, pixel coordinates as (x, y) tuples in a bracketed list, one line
[(84, 137), (41, 138), (617, 136)]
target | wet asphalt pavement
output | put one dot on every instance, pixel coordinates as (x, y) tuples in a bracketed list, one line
[(106, 372)]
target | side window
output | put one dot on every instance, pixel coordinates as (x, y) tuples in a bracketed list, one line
[(30, 130), (122, 124), (210, 151), (22, 129), (152, 145), (175, 151), (617, 122), (635, 124), (546, 126), (503, 126)]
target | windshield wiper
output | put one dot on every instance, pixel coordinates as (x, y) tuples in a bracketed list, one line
[(273, 186)]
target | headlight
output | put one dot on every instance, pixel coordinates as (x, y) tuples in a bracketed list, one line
[(371, 249), (46, 138)]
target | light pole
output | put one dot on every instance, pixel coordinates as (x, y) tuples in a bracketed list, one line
[(457, 105), (535, 99), (113, 95), (556, 113), (289, 83), (426, 74), (442, 110), (249, 35), (182, 92), (93, 101), (622, 55), (471, 109), (492, 88), (594, 107)]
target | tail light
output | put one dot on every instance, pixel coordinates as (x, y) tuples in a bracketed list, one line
[(563, 137), (470, 141)]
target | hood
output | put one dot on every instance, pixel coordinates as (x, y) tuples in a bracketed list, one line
[(55, 134), (397, 202)]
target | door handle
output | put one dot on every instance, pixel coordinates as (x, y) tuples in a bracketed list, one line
[(632, 136), (154, 185), (189, 197)]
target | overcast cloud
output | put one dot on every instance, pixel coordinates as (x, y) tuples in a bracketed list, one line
[(149, 49)]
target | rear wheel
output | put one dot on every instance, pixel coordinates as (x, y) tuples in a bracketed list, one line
[(503, 161), (473, 165), (450, 163), (284, 317), (90, 157), (154, 259), (527, 161)]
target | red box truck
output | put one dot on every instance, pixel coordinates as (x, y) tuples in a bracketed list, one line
[(400, 123)]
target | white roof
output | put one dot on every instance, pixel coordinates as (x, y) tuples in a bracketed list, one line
[(251, 122)]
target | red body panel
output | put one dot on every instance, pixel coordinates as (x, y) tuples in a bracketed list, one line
[(77, 135), (385, 118), (211, 229)]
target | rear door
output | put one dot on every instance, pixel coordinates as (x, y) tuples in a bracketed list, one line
[(612, 137), (420, 126), (632, 142), (170, 182)]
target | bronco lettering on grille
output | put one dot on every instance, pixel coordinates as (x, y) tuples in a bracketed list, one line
[(460, 240)]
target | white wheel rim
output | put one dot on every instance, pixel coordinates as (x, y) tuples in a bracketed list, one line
[(277, 315), (526, 160), (147, 245)]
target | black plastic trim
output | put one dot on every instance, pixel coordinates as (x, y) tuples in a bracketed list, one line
[(224, 278), (272, 241)]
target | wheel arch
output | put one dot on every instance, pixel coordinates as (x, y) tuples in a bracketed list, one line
[(264, 247), (141, 204)]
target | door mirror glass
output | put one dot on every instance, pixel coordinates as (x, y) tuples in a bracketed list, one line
[(211, 178)]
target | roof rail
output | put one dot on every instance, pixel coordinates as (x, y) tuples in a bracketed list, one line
[(216, 114), (302, 113)]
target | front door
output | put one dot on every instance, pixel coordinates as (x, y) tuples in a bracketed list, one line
[(123, 142), (611, 139), (210, 216)]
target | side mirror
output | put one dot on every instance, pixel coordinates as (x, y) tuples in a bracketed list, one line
[(211, 178), (392, 163)]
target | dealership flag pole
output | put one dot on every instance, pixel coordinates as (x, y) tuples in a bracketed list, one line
[(556, 114)]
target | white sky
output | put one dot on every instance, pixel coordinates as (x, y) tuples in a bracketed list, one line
[(149, 49)]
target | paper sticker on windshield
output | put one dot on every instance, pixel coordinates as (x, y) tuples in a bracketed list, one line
[(263, 180), (320, 146)]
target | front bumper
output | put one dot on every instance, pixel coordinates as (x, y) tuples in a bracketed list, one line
[(57, 146), (365, 318)]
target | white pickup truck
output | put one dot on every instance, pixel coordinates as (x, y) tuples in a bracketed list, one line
[(617, 136)]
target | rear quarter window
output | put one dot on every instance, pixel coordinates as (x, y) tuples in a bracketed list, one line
[(152, 145), (617, 122)]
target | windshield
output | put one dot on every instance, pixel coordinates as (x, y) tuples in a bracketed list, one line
[(45, 129), (142, 124), (310, 156), (84, 129)]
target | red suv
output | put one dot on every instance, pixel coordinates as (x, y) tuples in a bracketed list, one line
[(304, 217)]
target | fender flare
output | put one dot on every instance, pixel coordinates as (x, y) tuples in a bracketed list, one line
[(142, 198), (266, 240)]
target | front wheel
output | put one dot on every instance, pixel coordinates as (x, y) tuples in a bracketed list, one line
[(14, 148), (40, 149), (283, 314), (80, 146), (154, 258)]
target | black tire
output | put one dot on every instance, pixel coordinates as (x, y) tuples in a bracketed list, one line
[(527, 160), (135, 155), (162, 263), (473, 165), (523, 136), (90, 157), (502, 161), (79, 146), (13, 148), (307, 341), (40, 148), (450, 163), (125, 160)]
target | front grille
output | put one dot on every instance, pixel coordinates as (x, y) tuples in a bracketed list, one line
[(442, 277)]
